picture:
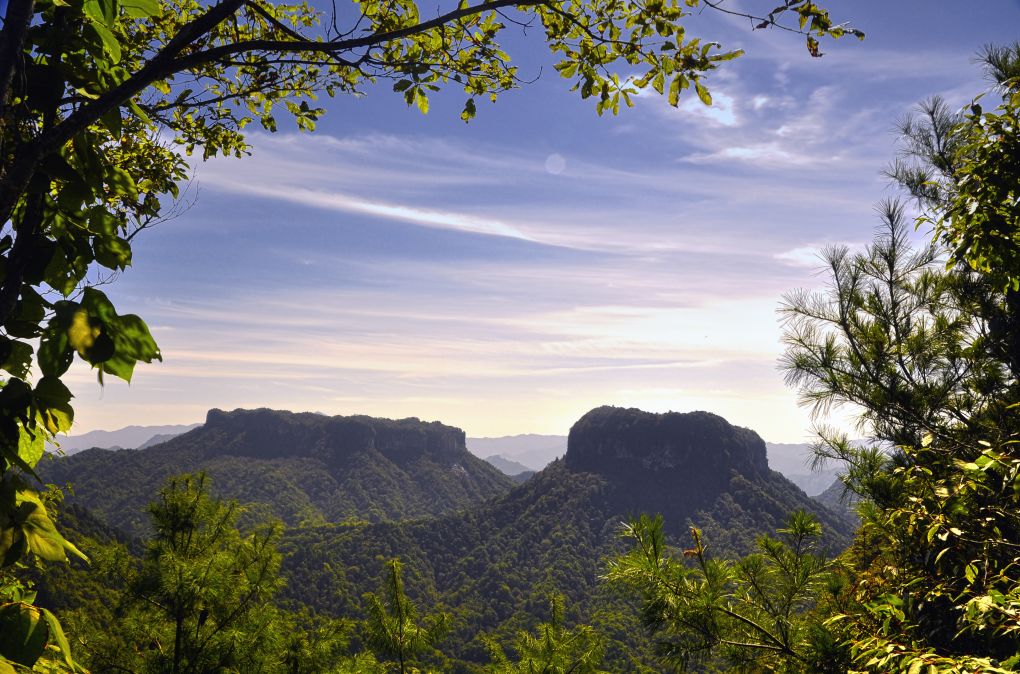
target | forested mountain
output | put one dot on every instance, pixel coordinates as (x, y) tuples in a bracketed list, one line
[(356, 491), (793, 460), (493, 564), (300, 468)]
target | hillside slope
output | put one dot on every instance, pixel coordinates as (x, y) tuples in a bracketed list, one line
[(300, 468)]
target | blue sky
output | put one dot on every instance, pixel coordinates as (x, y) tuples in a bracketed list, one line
[(507, 275)]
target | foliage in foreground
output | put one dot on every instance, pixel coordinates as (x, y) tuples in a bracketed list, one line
[(392, 629), (930, 354), (201, 597), (552, 648), (752, 614), (937, 574), (934, 573)]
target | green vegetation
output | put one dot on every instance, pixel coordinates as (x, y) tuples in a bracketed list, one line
[(758, 613), (552, 649), (200, 599), (392, 629), (303, 469), (930, 352)]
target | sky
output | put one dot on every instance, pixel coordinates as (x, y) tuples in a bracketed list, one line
[(506, 276)]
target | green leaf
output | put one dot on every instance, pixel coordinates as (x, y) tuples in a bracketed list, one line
[(31, 445), (138, 112), (53, 400), (703, 94), (674, 91), (28, 314), (43, 538), (111, 45), (112, 252), (113, 122), (98, 305), (102, 221), (93, 10), (55, 350), (81, 334), (469, 110), (57, 636), (140, 9), (121, 183), (132, 343), (15, 357), (23, 634)]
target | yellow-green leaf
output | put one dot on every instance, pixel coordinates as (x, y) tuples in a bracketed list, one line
[(703, 94), (31, 445)]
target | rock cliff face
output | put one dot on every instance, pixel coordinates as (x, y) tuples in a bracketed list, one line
[(614, 441), (693, 468), (269, 434)]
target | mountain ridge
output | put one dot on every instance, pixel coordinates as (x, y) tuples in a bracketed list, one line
[(298, 467)]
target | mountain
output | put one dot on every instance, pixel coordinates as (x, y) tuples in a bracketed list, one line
[(128, 437), (158, 439), (491, 564), (837, 498), (534, 451), (794, 461), (300, 468), (507, 466)]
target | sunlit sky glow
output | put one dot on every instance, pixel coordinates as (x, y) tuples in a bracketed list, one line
[(508, 275)]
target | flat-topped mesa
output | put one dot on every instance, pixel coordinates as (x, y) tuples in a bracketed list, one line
[(696, 447), (266, 434)]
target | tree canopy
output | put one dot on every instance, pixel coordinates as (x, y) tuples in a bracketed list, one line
[(926, 344)]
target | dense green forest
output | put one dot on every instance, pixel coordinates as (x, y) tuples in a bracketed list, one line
[(492, 566), (302, 469), (275, 542)]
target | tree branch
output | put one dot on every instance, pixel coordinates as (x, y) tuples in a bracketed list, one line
[(12, 37)]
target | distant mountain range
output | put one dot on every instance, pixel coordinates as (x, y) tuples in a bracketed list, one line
[(535, 452), (129, 437), (513, 455), (508, 466)]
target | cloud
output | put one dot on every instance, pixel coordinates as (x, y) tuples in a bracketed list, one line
[(722, 111), (345, 203)]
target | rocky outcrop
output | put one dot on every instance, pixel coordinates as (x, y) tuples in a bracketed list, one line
[(266, 434), (693, 468), (698, 448)]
